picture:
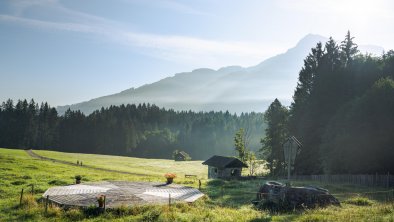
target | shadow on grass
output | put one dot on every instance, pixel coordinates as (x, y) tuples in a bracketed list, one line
[(235, 194), (232, 193), (344, 192)]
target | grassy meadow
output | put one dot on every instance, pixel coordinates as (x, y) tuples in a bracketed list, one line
[(153, 167), (225, 200)]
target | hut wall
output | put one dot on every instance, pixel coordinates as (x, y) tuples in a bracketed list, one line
[(223, 173)]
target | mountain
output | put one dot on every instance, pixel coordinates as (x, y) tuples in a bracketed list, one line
[(231, 88)]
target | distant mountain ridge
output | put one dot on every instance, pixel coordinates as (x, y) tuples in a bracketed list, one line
[(231, 88)]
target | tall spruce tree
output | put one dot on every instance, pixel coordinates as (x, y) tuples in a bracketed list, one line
[(349, 49), (276, 133)]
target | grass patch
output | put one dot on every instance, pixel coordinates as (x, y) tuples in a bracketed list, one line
[(359, 201), (58, 182), (26, 177), (29, 201), (154, 167), (74, 214), (18, 182)]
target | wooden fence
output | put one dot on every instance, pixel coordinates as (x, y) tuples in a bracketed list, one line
[(386, 180)]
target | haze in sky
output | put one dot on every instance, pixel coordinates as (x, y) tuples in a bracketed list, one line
[(69, 51)]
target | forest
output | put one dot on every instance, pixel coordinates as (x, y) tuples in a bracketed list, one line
[(343, 113), (142, 130)]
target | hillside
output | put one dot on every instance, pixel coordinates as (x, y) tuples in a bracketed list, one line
[(231, 88)]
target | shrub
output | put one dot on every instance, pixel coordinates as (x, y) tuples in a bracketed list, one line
[(26, 177)]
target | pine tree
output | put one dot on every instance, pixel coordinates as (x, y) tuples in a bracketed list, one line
[(349, 49), (276, 117), (306, 78)]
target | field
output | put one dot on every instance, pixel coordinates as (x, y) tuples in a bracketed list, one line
[(153, 167), (225, 200)]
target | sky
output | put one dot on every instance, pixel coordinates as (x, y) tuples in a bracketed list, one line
[(70, 51)]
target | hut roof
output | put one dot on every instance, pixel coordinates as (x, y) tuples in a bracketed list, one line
[(224, 162)]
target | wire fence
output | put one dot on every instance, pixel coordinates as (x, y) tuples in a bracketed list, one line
[(238, 196), (369, 180)]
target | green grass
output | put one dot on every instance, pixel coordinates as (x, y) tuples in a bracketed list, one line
[(225, 200), (156, 167), (359, 201)]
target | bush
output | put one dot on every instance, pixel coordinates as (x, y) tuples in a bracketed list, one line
[(359, 201), (26, 177)]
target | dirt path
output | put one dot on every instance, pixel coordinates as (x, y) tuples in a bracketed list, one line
[(35, 155)]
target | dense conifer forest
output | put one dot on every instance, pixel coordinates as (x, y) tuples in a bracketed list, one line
[(135, 130), (343, 113)]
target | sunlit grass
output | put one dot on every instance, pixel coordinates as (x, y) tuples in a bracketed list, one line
[(157, 167), (225, 200)]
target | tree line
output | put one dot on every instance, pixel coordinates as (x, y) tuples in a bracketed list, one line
[(343, 113), (142, 130)]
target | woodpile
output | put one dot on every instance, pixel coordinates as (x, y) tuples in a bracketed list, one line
[(278, 196)]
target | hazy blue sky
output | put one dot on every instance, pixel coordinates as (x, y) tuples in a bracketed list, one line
[(69, 51)]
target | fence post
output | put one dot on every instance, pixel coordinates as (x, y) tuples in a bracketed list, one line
[(46, 204), (199, 184), (169, 200), (20, 200), (105, 201)]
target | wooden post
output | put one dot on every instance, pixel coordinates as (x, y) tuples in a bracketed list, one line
[(46, 204), (169, 200), (199, 184), (20, 200), (105, 201)]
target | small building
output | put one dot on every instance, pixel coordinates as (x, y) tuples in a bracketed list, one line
[(222, 167), (181, 156)]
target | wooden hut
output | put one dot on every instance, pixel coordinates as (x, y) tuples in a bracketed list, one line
[(224, 167)]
